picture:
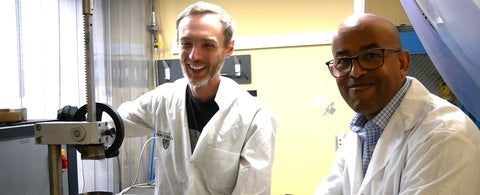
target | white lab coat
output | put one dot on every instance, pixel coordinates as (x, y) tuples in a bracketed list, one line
[(428, 147), (234, 153)]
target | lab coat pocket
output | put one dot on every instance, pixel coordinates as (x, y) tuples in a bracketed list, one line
[(222, 167)]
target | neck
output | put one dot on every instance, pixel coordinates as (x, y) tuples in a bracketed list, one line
[(205, 92)]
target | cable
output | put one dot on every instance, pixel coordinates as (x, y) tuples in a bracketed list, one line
[(138, 169), (151, 175)]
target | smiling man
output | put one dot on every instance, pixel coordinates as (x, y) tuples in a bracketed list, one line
[(403, 139), (213, 137)]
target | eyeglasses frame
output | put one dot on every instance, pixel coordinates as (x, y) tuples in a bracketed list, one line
[(383, 49)]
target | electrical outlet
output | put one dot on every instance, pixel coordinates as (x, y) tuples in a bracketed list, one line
[(339, 137)]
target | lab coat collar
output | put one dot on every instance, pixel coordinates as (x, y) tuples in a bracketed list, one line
[(225, 95), (226, 92)]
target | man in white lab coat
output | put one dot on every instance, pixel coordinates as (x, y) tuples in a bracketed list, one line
[(404, 139), (213, 137)]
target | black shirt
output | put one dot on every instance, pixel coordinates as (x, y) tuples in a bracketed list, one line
[(198, 115)]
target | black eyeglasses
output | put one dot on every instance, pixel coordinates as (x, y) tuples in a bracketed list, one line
[(369, 60)]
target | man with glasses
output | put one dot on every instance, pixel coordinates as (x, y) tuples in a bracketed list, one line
[(404, 139)]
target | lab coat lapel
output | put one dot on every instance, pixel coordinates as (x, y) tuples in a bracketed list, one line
[(223, 98), (181, 137), (389, 141), (401, 122), (354, 162)]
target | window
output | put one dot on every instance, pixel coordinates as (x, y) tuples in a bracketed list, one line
[(40, 44)]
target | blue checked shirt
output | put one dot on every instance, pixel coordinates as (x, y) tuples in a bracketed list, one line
[(370, 131)]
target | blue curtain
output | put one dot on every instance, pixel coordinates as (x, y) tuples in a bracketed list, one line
[(450, 32)]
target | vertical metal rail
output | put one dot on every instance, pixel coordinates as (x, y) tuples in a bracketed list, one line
[(55, 169), (153, 28), (54, 150), (90, 76)]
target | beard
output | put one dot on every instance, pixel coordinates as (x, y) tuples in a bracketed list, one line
[(214, 68)]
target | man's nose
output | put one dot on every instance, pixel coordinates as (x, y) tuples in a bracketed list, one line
[(194, 53), (357, 70)]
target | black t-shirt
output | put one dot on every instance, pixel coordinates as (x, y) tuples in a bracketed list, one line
[(198, 115)]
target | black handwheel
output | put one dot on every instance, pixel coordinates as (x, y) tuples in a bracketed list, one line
[(118, 132)]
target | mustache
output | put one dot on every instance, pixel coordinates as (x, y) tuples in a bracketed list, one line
[(359, 82)]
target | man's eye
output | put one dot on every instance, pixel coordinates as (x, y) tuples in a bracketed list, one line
[(208, 45), (343, 61), (371, 55), (185, 43)]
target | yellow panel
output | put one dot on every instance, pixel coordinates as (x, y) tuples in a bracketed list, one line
[(293, 82)]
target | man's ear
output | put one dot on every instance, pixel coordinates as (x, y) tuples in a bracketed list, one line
[(230, 49), (404, 59)]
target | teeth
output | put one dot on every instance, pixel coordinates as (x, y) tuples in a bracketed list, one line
[(194, 67)]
